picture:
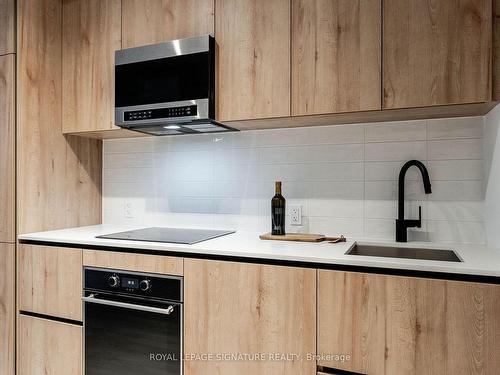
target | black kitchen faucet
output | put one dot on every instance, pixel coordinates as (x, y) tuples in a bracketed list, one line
[(401, 224)]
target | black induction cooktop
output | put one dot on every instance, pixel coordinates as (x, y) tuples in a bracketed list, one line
[(167, 235)]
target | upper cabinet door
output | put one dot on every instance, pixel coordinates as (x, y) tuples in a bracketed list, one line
[(7, 27), (155, 21), (91, 34), (7, 148), (254, 58), (436, 52), (336, 56)]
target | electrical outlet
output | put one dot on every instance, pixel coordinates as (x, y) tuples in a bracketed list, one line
[(128, 209), (296, 215)]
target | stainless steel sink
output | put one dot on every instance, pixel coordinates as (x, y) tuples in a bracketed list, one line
[(404, 252)]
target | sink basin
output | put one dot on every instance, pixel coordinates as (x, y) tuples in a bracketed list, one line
[(404, 252)]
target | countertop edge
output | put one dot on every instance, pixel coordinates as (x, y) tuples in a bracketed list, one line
[(259, 258)]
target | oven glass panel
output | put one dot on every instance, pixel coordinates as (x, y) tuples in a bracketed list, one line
[(122, 341), (184, 77)]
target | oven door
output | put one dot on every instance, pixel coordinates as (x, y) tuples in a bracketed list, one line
[(130, 338)]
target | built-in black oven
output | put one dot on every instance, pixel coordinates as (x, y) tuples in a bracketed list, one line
[(132, 322), (168, 88)]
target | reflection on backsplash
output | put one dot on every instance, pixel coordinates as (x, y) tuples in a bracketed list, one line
[(345, 178)]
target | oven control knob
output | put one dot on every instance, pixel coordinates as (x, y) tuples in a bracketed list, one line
[(114, 281), (145, 285)]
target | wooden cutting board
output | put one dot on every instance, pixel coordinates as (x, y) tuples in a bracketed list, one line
[(301, 237)]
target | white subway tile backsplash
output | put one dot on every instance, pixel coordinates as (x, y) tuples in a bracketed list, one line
[(236, 156), (337, 190), (456, 170), (336, 208), (235, 206), (344, 177), (388, 209), (380, 228), (332, 171), (339, 134), (178, 188), (455, 149), (138, 189), (135, 160), (191, 205), (319, 153), (388, 190), (127, 174), (130, 145), (188, 172), (197, 158), (396, 151), (335, 153), (457, 191), (456, 211), (230, 172), (451, 128), (388, 170), (396, 131), (350, 227), (456, 231)]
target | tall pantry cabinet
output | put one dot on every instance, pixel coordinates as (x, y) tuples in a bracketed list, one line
[(7, 185), (58, 176)]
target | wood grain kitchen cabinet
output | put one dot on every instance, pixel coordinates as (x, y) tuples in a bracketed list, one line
[(134, 262), (7, 27), (91, 33), (336, 49), (436, 52), (7, 308), (248, 308), (7, 148), (155, 21), (400, 325), (58, 176), (49, 347), (50, 281), (254, 58), (496, 50)]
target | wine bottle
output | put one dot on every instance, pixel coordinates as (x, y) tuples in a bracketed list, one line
[(278, 212)]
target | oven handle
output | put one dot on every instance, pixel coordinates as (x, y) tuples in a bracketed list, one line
[(166, 311)]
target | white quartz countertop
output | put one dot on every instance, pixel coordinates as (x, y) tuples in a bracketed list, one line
[(477, 259)]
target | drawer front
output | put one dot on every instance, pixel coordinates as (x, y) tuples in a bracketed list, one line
[(134, 262), (50, 281), (49, 347)]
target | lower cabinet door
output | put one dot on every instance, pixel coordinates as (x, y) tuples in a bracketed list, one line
[(400, 325), (248, 319), (49, 281), (7, 308), (47, 347)]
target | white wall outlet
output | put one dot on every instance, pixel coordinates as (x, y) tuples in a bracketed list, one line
[(296, 214), (128, 209)]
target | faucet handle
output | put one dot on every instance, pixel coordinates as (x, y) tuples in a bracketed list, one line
[(419, 224)]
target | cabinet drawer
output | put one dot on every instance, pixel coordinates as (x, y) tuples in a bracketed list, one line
[(134, 262), (49, 347), (7, 308), (50, 281)]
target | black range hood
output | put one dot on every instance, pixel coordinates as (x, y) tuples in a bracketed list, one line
[(168, 88)]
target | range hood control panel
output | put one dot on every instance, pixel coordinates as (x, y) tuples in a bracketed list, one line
[(160, 113)]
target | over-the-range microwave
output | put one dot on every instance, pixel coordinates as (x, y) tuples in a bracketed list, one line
[(168, 88)]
